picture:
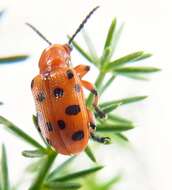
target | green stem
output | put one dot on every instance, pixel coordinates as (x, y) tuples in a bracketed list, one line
[(99, 80), (98, 84), (38, 183)]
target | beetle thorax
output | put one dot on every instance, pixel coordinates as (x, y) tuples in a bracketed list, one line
[(53, 57)]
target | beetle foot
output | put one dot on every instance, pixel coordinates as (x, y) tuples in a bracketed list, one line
[(100, 113), (104, 140)]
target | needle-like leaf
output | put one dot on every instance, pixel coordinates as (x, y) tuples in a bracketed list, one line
[(134, 70), (144, 56), (118, 119), (116, 38), (34, 153), (110, 108), (134, 76), (4, 170), (19, 133), (122, 137), (110, 34), (35, 165), (124, 60), (108, 185), (79, 174), (12, 59), (90, 154), (62, 186), (60, 168), (113, 128), (90, 46), (123, 101)]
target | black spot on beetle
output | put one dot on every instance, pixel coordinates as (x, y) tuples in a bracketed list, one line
[(32, 83), (49, 126), (61, 124), (77, 88), (58, 92), (77, 136), (41, 97), (72, 110), (69, 74)]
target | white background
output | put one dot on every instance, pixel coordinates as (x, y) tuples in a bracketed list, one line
[(147, 164)]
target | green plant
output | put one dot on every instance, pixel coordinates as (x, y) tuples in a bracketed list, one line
[(47, 177)]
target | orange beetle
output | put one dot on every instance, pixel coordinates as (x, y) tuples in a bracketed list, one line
[(63, 118)]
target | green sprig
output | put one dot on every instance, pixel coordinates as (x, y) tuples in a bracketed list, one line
[(47, 178)]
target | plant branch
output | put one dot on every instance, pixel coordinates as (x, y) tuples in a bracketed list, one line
[(38, 182)]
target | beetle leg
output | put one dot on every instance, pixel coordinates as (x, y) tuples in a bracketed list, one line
[(91, 118), (104, 140), (91, 88), (81, 70)]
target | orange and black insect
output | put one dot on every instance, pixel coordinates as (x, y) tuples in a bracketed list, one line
[(63, 118)]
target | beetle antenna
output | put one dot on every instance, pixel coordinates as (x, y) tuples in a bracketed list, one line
[(39, 33), (82, 24)]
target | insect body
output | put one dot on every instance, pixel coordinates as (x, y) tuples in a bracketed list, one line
[(63, 118)]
